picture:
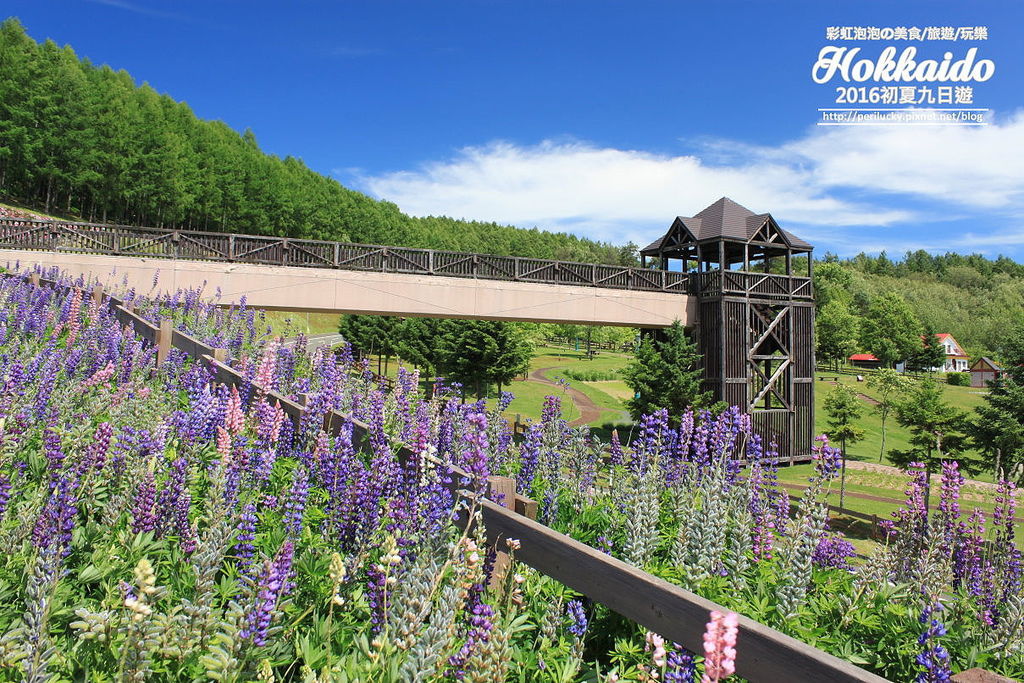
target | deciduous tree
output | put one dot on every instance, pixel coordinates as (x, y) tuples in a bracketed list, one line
[(891, 386), (890, 330), (844, 409)]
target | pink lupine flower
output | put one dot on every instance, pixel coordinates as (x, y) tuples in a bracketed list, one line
[(720, 646), (223, 443), (234, 419), (99, 377), (657, 644), (73, 313), (275, 430), (268, 365)]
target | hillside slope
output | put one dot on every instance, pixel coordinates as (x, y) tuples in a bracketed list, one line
[(85, 141)]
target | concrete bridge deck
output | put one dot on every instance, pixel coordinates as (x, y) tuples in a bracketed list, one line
[(327, 290)]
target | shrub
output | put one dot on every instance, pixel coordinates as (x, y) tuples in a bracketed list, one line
[(591, 375), (958, 379)]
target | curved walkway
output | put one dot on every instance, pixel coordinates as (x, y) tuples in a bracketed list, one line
[(588, 409)]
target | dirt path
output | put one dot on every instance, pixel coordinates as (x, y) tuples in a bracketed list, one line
[(981, 486), (588, 409), (864, 397)]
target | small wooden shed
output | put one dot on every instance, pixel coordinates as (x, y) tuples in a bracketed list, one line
[(983, 371)]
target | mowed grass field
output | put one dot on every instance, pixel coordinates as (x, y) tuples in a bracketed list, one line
[(897, 437)]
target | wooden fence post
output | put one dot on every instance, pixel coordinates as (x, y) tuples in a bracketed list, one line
[(97, 294), (526, 507), (502, 490), (33, 279), (163, 340), (220, 355)]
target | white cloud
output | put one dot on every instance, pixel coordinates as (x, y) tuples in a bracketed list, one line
[(825, 180)]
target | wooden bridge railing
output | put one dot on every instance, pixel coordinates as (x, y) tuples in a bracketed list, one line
[(764, 654), (718, 282), (124, 240)]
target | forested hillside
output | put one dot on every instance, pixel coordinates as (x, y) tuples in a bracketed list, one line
[(85, 141), (977, 300)]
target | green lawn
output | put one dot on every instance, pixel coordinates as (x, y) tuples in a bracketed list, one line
[(288, 324), (966, 398)]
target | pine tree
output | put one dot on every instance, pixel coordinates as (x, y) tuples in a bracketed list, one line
[(998, 430), (938, 430), (666, 373), (931, 354)]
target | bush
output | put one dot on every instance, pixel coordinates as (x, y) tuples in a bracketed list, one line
[(591, 375), (958, 379)]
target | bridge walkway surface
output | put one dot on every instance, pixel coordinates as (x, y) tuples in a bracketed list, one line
[(309, 275)]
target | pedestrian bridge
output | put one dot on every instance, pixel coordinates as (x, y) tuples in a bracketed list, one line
[(333, 277)]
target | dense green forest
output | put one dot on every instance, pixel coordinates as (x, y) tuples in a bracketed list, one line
[(85, 141), (976, 299)]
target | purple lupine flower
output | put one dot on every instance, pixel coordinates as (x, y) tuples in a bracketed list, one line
[(529, 459), (97, 451), (934, 658), (474, 457), (273, 585), (244, 537), (827, 460), (912, 519), (183, 526), (833, 552), (53, 527), (5, 493), (170, 494), (376, 597), (615, 457), (480, 626), (505, 400), (143, 512), (53, 451), (761, 506), (951, 527), (295, 504), (680, 666), (577, 618)]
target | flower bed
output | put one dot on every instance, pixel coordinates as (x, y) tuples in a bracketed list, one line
[(164, 526)]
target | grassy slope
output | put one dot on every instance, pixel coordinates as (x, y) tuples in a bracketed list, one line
[(966, 398)]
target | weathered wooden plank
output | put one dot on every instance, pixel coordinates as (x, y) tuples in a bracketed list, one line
[(143, 328), (164, 335), (979, 676), (764, 654), (501, 490), (190, 345)]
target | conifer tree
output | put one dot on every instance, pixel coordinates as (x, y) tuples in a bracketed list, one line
[(666, 373)]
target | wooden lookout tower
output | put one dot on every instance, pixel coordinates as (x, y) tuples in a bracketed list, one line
[(755, 317)]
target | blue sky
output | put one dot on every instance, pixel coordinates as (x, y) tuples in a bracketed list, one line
[(602, 118)]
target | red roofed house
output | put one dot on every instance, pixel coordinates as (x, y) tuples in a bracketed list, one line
[(956, 357), (865, 360)]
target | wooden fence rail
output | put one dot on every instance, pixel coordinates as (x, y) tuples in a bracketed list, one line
[(763, 653)]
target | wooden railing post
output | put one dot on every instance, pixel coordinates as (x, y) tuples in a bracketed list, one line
[(220, 355), (163, 340), (502, 490), (97, 294), (33, 279)]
